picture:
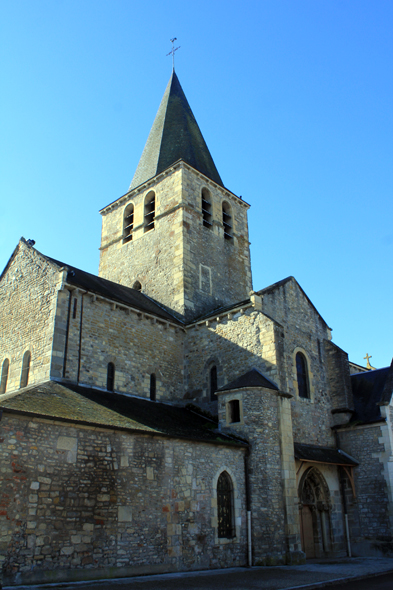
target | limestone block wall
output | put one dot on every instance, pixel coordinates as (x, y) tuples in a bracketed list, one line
[(235, 343), (339, 376), (370, 512), (271, 498), (304, 331), (217, 270), (27, 311), (154, 257), (78, 503), (138, 345), (180, 263)]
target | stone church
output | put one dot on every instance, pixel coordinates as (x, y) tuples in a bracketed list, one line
[(164, 416)]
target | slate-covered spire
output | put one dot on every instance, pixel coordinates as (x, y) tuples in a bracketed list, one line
[(174, 136)]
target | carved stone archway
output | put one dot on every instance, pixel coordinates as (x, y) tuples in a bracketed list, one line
[(315, 514)]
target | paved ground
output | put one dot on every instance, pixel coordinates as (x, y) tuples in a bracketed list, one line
[(384, 582), (312, 575)]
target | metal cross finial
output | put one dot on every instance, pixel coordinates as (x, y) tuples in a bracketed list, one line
[(172, 52), (368, 357)]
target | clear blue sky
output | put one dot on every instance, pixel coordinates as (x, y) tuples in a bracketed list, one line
[(294, 99)]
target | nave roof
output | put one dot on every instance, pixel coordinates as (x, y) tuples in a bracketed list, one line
[(89, 406)]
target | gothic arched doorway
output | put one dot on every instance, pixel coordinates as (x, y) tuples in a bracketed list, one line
[(315, 511)]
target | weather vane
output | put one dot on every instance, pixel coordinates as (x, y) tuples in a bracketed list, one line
[(172, 52)]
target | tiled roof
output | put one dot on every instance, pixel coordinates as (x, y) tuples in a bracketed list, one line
[(370, 389), (253, 378), (114, 291), (77, 404), (316, 454), (174, 136)]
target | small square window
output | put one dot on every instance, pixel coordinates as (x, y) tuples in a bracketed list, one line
[(234, 411)]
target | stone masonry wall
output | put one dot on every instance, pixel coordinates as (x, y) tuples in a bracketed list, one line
[(259, 424), (75, 499), (304, 331), (217, 270), (27, 311), (180, 263), (339, 376), (137, 345), (235, 343), (154, 258), (369, 512)]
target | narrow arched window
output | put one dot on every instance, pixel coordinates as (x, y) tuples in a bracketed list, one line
[(150, 211), (110, 377), (213, 383), (128, 223), (206, 208), (227, 221), (302, 375), (225, 518), (24, 377), (4, 375), (153, 387)]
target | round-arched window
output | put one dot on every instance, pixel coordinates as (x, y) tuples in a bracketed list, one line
[(302, 375), (225, 516)]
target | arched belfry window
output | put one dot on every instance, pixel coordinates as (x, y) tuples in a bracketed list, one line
[(227, 221), (110, 377), (4, 375), (225, 518), (150, 211), (206, 208), (24, 376), (153, 387), (213, 383), (302, 375), (128, 223)]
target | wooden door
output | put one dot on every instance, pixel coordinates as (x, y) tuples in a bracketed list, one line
[(307, 532)]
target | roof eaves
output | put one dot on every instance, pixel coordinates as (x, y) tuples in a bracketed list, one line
[(147, 183), (220, 311), (152, 432)]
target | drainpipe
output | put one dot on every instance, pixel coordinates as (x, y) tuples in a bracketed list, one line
[(67, 334), (344, 499), (80, 339), (248, 506)]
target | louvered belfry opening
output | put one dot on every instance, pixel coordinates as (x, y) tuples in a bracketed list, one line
[(227, 221), (206, 208), (225, 518), (128, 225), (150, 211)]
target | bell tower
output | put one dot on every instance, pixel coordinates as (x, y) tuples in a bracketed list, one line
[(178, 233)]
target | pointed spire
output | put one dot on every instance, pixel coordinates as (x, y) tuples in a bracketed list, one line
[(174, 136)]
